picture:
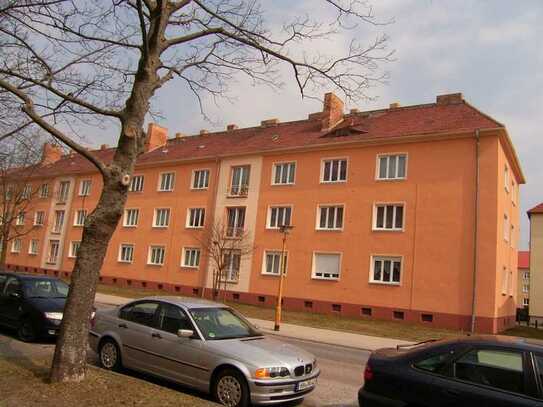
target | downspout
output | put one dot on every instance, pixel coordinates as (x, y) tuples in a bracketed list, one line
[(475, 232)]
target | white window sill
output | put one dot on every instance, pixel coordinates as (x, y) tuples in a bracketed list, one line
[(155, 264), (334, 182), (160, 227), (78, 226), (286, 184), (329, 230), (194, 227), (190, 268), (325, 278), (164, 190), (385, 283), (199, 189), (391, 179), (125, 261), (130, 226), (387, 230), (273, 274)]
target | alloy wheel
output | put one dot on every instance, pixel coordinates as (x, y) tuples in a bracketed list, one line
[(229, 391), (108, 355)]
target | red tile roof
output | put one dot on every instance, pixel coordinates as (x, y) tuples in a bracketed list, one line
[(523, 260), (536, 209), (380, 124)]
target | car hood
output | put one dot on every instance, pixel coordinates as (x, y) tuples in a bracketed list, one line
[(47, 304), (262, 351)]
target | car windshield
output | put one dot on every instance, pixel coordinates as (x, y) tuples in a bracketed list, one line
[(222, 323), (45, 288)]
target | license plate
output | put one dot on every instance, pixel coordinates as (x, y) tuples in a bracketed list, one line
[(306, 384)]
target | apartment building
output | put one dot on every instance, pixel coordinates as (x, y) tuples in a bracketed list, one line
[(523, 284), (407, 213), (536, 264)]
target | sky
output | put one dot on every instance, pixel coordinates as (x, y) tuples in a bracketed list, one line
[(490, 50)]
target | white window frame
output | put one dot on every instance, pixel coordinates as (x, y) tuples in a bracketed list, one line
[(126, 218), (120, 257), (506, 228), (229, 269), (27, 192), (31, 244), (36, 218), (277, 253), (331, 159), (240, 189), (44, 190), (279, 206), (155, 218), (63, 194), (149, 254), (51, 260), (184, 258), (85, 187), (20, 220), (76, 217), (384, 228), (201, 218), (193, 179), (16, 245), (506, 178), (57, 226), (171, 183), (318, 217), (237, 230), (71, 253), (526, 275), (378, 163), (525, 302), (140, 183), (313, 264), (281, 164), (386, 257)]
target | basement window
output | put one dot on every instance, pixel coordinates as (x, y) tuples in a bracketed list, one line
[(427, 318), (366, 312), (398, 315), (261, 298), (308, 304), (336, 307)]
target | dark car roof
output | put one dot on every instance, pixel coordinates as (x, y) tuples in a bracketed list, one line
[(526, 344), (28, 276)]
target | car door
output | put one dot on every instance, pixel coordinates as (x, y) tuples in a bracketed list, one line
[(486, 376), (3, 279), (11, 302), (179, 358), (135, 324)]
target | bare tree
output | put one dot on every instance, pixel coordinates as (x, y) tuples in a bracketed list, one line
[(69, 64), (224, 247), (19, 164)]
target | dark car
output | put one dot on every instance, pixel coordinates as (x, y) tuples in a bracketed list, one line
[(33, 305), (480, 371)]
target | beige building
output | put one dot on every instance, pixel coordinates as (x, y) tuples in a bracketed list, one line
[(536, 263), (523, 284)]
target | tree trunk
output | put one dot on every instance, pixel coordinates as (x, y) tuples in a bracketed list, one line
[(3, 253), (69, 361)]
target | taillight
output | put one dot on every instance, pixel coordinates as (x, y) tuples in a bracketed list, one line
[(368, 373)]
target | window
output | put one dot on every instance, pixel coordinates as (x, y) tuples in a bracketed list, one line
[(136, 184), (44, 190), (326, 266), (526, 302), (386, 270), (12, 286), (59, 221), (510, 283), (167, 180), (53, 251), (39, 218), (240, 180), (388, 217), (142, 313), (162, 218), (232, 261), (272, 263), (171, 319), (131, 217), (27, 192), (334, 170), (525, 288), (236, 221), (506, 228), (504, 281), (283, 173), (16, 245), (495, 368), (20, 221), (435, 364), (191, 257), (85, 187), (392, 166), (80, 217), (33, 247), (526, 275), (63, 191), (506, 180), (156, 255), (279, 216), (200, 179), (513, 193), (74, 248), (196, 217), (512, 236), (330, 217), (126, 253)]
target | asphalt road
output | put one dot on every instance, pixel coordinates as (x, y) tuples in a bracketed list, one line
[(341, 368)]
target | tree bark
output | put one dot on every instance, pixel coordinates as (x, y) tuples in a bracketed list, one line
[(3, 253)]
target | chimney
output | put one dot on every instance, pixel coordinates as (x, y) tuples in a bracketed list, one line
[(394, 105), (104, 147), (231, 127), (353, 111), (450, 99), (332, 111), (179, 135), (157, 136), (51, 153), (203, 131), (269, 123)]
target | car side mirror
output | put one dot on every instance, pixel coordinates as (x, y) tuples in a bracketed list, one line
[(185, 333), (15, 294)]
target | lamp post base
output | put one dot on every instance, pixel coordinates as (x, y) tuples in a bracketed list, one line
[(276, 327)]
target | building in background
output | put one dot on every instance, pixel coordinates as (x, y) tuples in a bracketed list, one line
[(406, 213), (523, 284), (536, 264)]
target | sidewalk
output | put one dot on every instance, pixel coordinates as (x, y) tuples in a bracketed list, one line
[(305, 333)]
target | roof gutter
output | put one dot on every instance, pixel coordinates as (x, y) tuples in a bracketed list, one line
[(475, 233)]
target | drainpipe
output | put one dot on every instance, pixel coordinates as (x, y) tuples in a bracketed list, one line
[(475, 232)]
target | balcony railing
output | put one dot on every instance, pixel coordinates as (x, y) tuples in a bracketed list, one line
[(234, 232), (238, 190)]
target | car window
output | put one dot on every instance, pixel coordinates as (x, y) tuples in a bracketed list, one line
[(141, 313), (435, 364), (222, 323), (171, 319), (12, 286), (45, 288), (3, 279), (496, 368), (539, 362)]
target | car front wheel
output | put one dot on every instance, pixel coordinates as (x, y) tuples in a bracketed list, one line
[(230, 389), (109, 355), (26, 331)]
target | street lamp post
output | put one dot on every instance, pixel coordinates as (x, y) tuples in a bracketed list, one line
[(284, 229)]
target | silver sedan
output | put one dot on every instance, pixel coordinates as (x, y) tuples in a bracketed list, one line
[(205, 345)]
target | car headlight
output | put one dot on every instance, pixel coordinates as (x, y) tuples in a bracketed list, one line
[(271, 372), (57, 316)]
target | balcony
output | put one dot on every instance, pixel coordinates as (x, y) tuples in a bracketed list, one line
[(238, 191), (234, 231)]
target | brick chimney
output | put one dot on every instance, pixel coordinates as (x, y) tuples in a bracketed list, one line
[(450, 99), (156, 137), (51, 153), (332, 111)]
